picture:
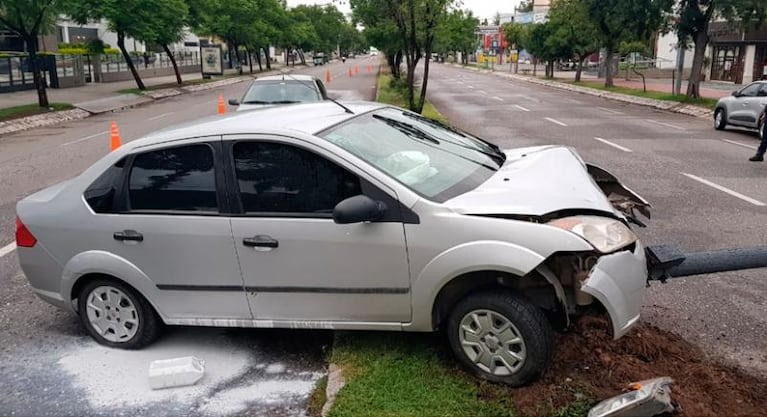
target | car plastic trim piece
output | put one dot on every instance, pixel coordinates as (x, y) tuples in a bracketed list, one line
[(320, 290)]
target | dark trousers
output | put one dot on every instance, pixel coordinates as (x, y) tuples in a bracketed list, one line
[(763, 146)]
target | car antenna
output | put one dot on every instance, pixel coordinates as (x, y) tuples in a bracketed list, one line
[(346, 109)]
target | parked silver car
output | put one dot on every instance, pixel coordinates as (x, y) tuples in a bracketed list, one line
[(328, 217), (281, 89), (742, 108)]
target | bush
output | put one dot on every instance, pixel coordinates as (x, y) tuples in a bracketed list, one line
[(73, 51)]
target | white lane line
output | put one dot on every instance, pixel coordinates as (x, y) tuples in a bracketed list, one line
[(528, 98), (555, 121), (482, 91), (160, 116), (614, 145), (521, 108), (497, 98), (460, 82), (84, 139), (470, 86), (666, 124), (754, 147), (725, 190), (7, 249), (609, 110)]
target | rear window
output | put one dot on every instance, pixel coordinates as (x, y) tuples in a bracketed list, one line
[(100, 196)]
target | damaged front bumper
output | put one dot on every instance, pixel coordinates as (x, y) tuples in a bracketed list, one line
[(618, 281)]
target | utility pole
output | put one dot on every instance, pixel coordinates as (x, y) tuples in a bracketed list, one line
[(680, 49)]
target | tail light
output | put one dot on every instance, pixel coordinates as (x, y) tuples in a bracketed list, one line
[(24, 238)]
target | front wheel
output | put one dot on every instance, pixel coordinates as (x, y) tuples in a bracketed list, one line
[(501, 337), (116, 315), (720, 119)]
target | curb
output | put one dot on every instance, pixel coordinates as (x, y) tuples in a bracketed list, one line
[(336, 381), (670, 106), (53, 118)]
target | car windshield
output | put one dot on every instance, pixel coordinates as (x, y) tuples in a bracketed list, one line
[(434, 160), (281, 92)]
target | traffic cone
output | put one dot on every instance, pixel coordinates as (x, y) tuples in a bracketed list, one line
[(367, 68), (357, 69), (328, 77), (114, 137), (221, 106), (350, 71)]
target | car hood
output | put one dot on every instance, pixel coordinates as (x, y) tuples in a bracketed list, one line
[(536, 182)]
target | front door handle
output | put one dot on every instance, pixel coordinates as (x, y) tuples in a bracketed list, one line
[(260, 241), (128, 235)]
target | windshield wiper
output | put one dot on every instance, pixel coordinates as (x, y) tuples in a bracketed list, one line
[(416, 133), (284, 102), (256, 102)]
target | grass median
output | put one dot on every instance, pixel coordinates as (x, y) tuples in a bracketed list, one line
[(16, 112), (656, 95)]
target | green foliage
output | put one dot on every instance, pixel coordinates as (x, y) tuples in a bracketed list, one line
[(516, 34), (572, 26), (626, 48), (456, 32), (617, 21)]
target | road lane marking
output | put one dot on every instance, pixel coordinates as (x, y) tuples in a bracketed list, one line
[(754, 147), (460, 82), (614, 145), (526, 97), (610, 110), (7, 249), (482, 91), (725, 190), (470, 86), (521, 108), (160, 116), (497, 98), (555, 121), (666, 124), (84, 139)]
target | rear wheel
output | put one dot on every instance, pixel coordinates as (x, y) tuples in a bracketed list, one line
[(501, 337), (116, 315), (720, 119)]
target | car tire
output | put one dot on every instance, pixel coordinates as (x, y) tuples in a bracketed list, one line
[(135, 326), (720, 119), (501, 337)]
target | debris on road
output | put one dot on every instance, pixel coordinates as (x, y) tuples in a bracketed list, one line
[(177, 372), (647, 398)]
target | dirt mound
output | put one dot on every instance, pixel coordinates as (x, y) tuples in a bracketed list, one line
[(590, 365)]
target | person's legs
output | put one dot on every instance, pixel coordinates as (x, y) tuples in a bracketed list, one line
[(762, 146)]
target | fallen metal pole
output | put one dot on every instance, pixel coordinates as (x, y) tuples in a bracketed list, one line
[(667, 261)]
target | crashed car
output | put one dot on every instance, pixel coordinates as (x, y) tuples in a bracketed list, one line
[(339, 216)]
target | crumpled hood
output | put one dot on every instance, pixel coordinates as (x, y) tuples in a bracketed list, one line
[(535, 181)]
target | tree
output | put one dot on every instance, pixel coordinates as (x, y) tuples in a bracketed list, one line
[(695, 17), (29, 19), (380, 30), (625, 20), (572, 26), (169, 19), (497, 19), (544, 45), (516, 35), (455, 33)]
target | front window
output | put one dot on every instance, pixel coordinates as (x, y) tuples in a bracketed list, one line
[(434, 160), (281, 92)]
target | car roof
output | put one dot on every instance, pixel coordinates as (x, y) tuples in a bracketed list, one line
[(287, 77), (308, 118)]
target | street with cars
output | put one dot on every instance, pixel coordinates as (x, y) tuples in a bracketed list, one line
[(704, 193)]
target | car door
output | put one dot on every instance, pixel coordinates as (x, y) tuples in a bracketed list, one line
[(169, 223), (744, 110), (300, 267)]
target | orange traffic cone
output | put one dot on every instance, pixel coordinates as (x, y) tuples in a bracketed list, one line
[(367, 68), (357, 69), (114, 137), (221, 106), (350, 71), (328, 77)]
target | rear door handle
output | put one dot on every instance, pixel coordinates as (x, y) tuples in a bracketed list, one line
[(260, 241), (128, 235)]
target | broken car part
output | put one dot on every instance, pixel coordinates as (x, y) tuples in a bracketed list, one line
[(647, 398)]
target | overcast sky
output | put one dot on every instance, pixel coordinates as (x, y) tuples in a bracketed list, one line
[(481, 8)]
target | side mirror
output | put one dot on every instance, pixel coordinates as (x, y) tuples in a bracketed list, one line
[(735, 93), (234, 102), (357, 209)]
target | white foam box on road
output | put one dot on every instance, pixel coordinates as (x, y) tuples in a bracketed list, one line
[(177, 372)]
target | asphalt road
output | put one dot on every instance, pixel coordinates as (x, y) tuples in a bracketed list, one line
[(49, 367), (704, 192)]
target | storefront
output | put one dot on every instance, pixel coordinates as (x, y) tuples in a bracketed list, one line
[(736, 56)]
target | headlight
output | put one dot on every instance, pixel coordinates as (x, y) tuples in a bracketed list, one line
[(605, 234)]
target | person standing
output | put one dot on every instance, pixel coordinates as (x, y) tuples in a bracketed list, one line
[(759, 157)]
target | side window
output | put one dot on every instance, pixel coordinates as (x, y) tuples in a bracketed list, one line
[(181, 178), (751, 90), (763, 91), (101, 194), (278, 178)]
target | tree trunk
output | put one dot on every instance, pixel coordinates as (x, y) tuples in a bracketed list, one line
[(173, 61), (237, 56), (250, 59), (268, 58), (422, 99), (579, 69), (258, 60), (302, 56), (128, 60), (693, 85), (535, 66), (37, 74), (609, 65)]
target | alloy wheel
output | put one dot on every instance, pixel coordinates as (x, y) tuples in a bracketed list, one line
[(492, 342), (112, 314)]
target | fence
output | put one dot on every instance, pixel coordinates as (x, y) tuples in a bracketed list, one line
[(117, 63), (16, 72)]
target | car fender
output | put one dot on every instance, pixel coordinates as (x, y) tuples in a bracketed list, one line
[(462, 259), (106, 263)]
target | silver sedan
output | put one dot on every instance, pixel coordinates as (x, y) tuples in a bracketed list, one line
[(743, 108), (331, 216)]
